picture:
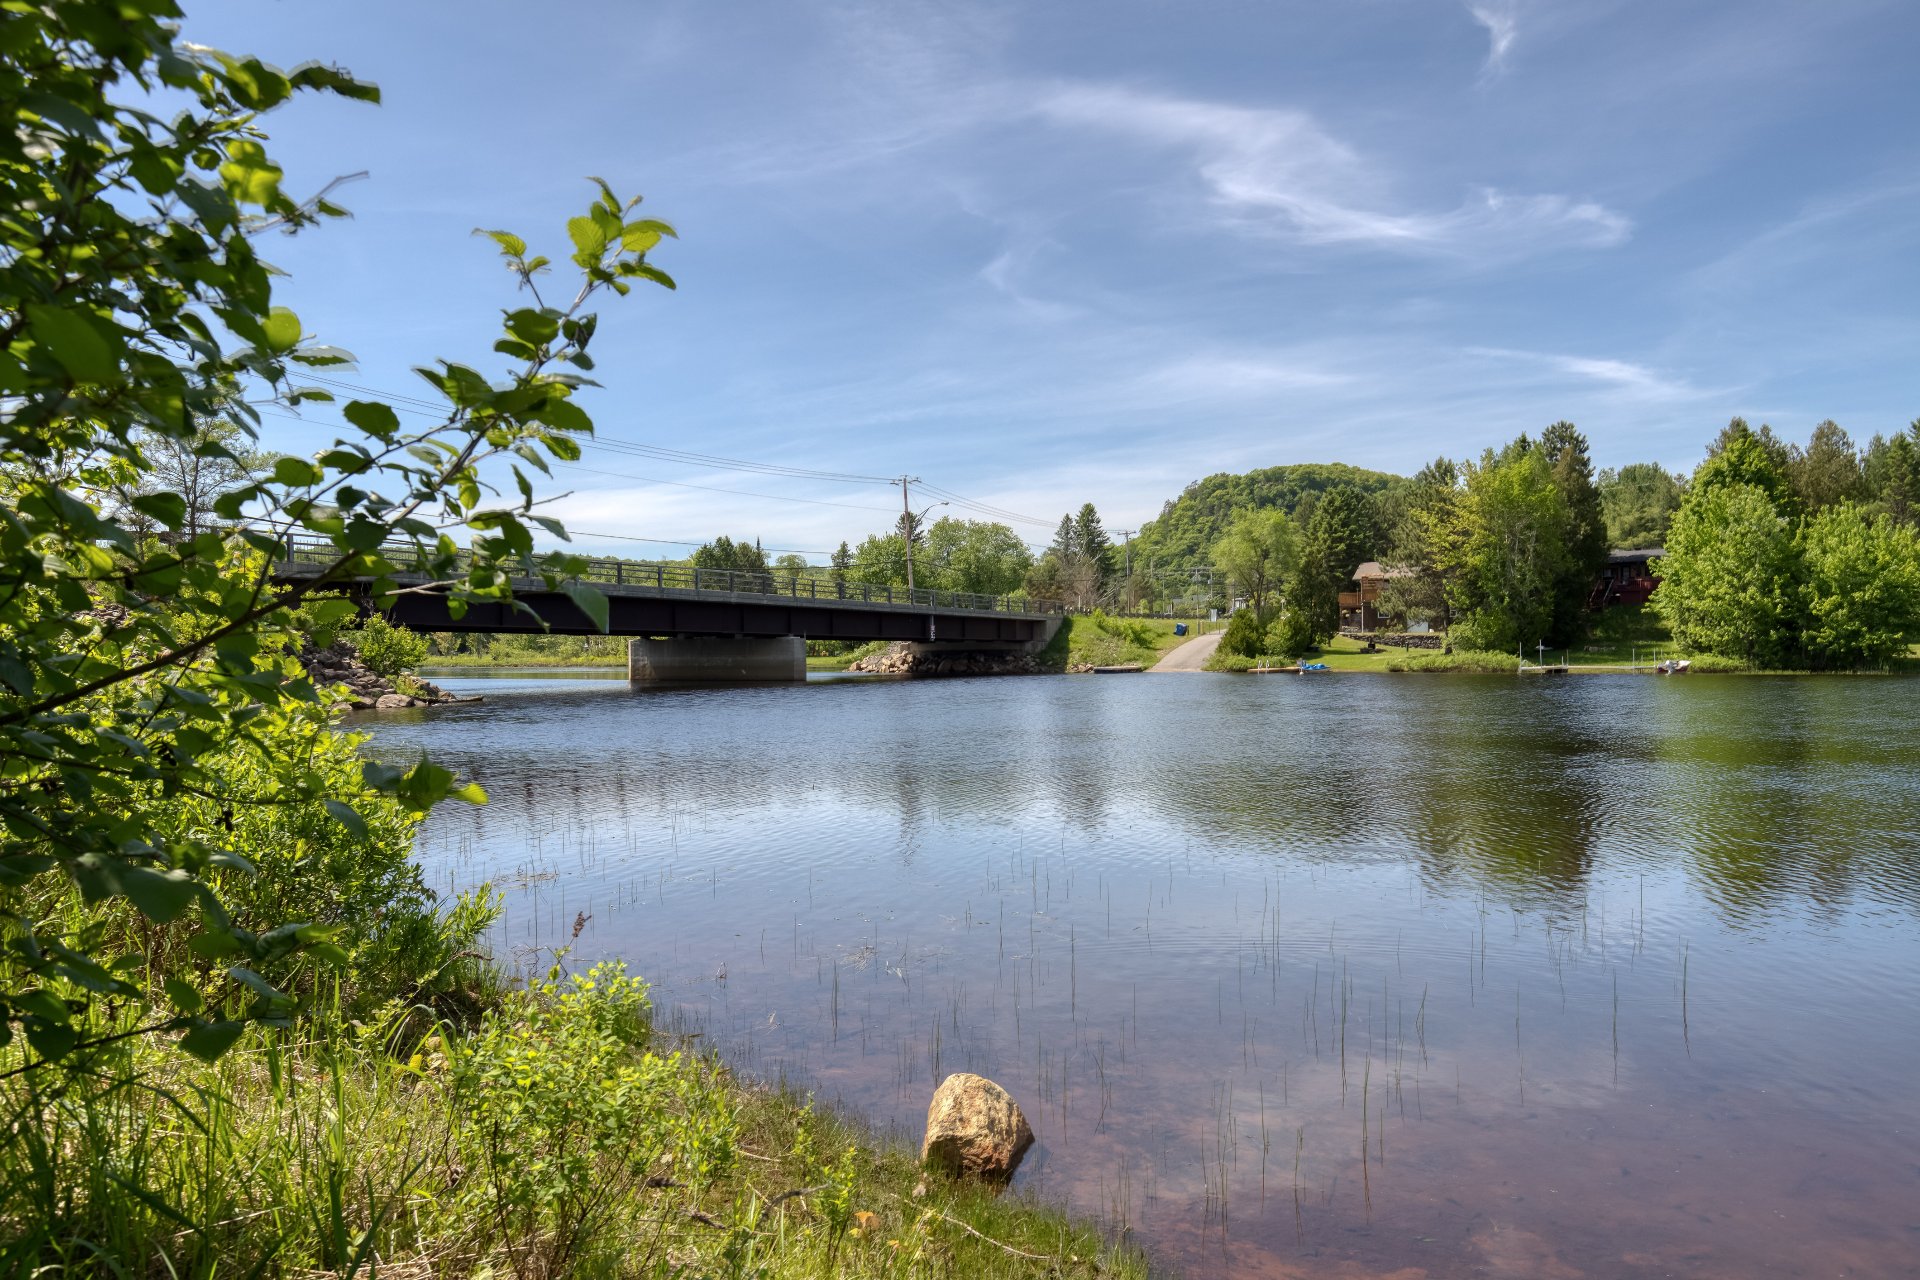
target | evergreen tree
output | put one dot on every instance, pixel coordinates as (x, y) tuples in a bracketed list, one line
[(1639, 501), (1091, 541), (1340, 534), (841, 561), (1892, 470), (1066, 543), (1828, 470), (1565, 450)]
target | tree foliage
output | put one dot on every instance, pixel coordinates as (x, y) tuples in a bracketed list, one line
[(1639, 501), (1892, 468), (1728, 580), (1257, 553), (724, 553), (1503, 547), (1740, 456), (1861, 593), (977, 556), (138, 671), (385, 649), (1828, 471), (1189, 526), (1743, 579), (1091, 543)]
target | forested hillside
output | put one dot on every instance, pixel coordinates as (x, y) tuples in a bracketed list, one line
[(1189, 525)]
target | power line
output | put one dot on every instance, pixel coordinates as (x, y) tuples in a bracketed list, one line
[(741, 493), (984, 508), (426, 408), (688, 542), (616, 445)]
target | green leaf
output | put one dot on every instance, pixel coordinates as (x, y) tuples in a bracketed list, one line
[(255, 983), (535, 328), (52, 1040), (160, 895), (170, 509), (589, 600), (15, 674), (42, 1004), (208, 1040), (312, 75), (184, 995), (320, 357), (348, 817), (71, 339), (648, 271), (510, 244), (251, 178), (372, 417), (295, 472), (589, 238), (230, 505)]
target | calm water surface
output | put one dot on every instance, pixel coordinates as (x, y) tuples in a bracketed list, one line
[(1331, 977)]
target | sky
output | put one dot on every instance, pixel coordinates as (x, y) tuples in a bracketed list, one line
[(1056, 252)]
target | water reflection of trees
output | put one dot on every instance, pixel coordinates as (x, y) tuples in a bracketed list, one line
[(1768, 792), (1789, 790)]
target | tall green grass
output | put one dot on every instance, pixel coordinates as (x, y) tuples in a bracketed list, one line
[(421, 1115), (557, 1135)]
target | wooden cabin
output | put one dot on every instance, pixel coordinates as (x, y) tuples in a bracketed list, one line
[(1359, 608), (1626, 578)]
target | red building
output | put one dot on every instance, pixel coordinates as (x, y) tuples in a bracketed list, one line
[(1626, 578)]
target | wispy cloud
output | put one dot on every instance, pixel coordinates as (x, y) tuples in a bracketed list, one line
[(1639, 381), (1501, 18), (1275, 171)]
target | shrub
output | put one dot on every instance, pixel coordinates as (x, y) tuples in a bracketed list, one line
[(568, 1111), (386, 649), (1246, 633), (1293, 634), (354, 879)]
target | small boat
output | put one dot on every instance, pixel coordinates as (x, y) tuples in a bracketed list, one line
[(1674, 667), (1315, 666)]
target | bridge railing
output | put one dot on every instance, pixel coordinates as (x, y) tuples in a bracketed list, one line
[(781, 583)]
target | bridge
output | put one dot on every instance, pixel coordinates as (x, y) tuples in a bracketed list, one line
[(693, 625)]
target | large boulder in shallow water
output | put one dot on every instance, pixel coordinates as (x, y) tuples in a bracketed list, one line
[(975, 1129)]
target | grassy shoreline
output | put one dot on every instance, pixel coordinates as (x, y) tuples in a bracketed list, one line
[(555, 1132), (1345, 654)]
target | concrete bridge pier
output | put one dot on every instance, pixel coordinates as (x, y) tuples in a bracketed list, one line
[(717, 660)]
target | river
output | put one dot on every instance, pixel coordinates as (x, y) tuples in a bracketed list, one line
[(1335, 976)]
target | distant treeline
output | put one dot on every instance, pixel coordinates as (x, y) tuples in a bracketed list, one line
[(1777, 554)]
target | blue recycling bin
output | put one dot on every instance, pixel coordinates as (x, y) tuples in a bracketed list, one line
[(1179, 628)]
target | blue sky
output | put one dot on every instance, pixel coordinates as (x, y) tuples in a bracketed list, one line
[(1062, 251)]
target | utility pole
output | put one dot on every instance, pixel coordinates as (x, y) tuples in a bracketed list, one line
[(1126, 561), (906, 522)]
